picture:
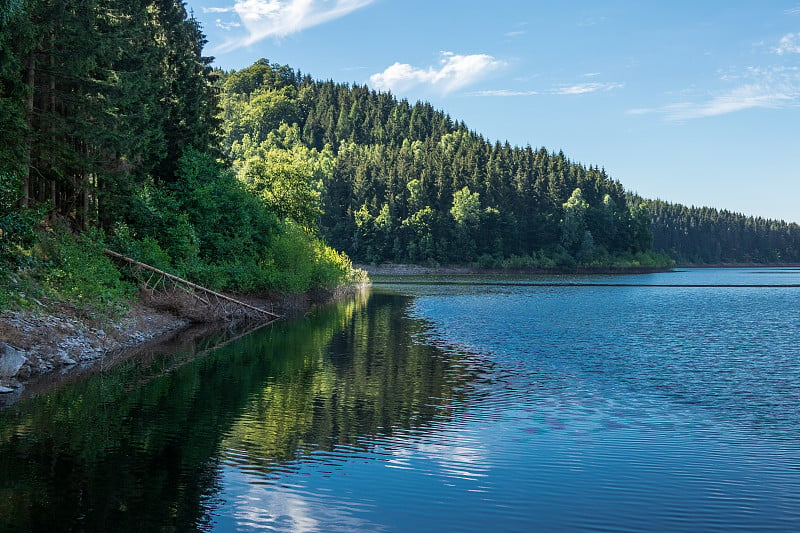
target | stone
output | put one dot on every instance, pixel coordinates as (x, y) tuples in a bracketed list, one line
[(11, 360), (5, 390)]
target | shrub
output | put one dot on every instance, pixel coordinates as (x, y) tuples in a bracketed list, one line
[(76, 270)]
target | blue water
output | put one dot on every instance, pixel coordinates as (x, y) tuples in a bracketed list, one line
[(660, 402)]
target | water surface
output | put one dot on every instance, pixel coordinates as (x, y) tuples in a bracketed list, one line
[(614, 403)]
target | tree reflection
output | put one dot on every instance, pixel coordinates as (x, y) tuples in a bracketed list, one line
[(139, 447)]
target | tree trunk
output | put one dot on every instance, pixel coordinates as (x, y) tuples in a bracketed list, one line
[(30, 81), (53, 193)]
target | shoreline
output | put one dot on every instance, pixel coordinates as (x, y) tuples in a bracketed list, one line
[(456, 270), (47, 346), (418, 270)]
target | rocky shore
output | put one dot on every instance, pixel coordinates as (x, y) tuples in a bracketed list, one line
[(53, 340), (34, 343)]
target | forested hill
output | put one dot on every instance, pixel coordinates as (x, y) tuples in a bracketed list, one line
[(703, 235), (407, 183)]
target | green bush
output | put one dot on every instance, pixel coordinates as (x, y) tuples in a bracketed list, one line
[(299, 262), (17, 225), (77, 271)]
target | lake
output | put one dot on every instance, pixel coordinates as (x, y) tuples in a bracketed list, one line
[(657, 402)]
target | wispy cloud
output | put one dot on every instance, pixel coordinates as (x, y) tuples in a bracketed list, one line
[(789, 44), (504, 92), (227, 26), (454, 72), (518, 31), (580, 88), (793, 11), (774, 88), (583, 88), (278, 18)]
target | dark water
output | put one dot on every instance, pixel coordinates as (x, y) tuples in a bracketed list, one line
[(664, 402)]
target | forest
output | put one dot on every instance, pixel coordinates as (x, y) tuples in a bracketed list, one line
[(407, 183), (118, 132), (112, 138), (703, 235)]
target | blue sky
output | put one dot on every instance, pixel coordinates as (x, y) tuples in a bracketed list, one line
[(691, 102)]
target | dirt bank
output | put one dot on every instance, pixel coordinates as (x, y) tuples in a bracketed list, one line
[(38, 341), (52, 339)]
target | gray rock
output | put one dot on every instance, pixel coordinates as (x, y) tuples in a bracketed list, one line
[(5, 390), (11, 360)]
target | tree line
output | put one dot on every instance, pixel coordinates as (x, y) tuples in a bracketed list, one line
[(111, 128), (115, 121), (704, 235), (407, 183), (402, 182)]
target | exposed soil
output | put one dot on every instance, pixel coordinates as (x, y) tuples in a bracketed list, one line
[(52, 341), (35, 343)]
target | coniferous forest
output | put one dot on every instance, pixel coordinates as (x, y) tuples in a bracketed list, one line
[(407, 183), (115, 127)]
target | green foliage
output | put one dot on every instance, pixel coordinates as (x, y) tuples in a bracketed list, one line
[(209, 227), (573, 223), (408, 184), (466, 208), (419, 229), (285, 184), (99, 99), (159, 216), (702, 235), (300, 262), (229, 222), (146, 249), (17, 225), (79, 273)]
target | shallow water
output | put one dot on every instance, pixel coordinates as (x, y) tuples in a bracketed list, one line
[(664, 402)]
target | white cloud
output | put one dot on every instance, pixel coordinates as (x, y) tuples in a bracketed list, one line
[(789, 44), (504, 92), (454, 72), (227, 26), (774, 88), (583, 88), (279, 18), (793, 11), (516, 33)]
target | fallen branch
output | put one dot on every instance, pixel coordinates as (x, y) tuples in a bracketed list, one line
[(172, 277)]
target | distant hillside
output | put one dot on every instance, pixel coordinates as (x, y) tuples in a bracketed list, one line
[(407, 183), (703, 235)]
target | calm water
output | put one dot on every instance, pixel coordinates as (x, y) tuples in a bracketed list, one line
[(664, 402)]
